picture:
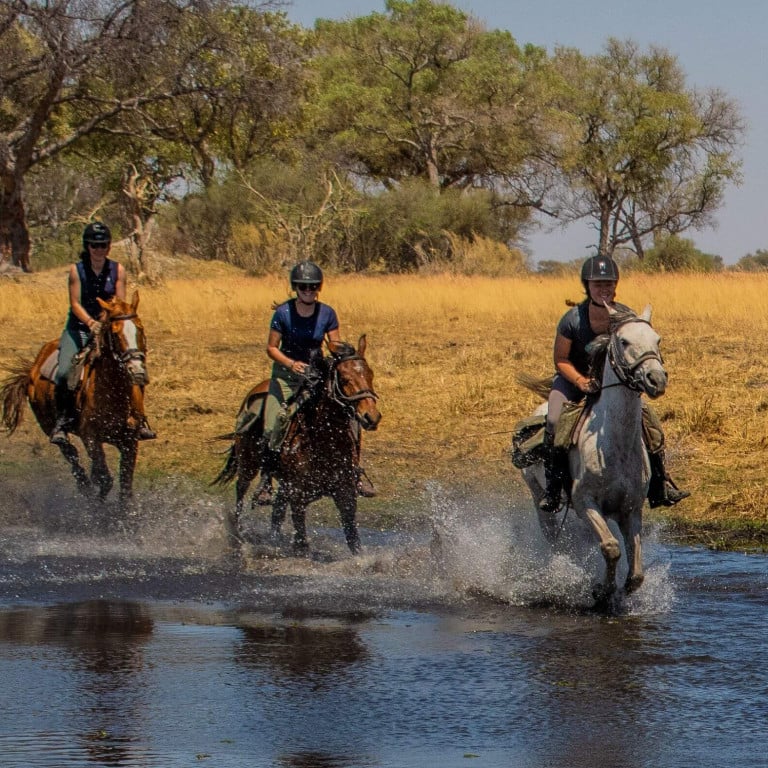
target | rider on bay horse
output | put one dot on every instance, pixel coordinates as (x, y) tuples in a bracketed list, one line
[(296, 333), (94, 277), (572, 382)]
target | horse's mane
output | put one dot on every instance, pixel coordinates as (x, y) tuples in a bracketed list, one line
[(597, 349), (341, 350)]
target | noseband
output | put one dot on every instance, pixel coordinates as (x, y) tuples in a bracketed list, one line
[(625, 371)]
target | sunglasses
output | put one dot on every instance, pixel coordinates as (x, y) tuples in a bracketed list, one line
[(98, 246), (308, 287)]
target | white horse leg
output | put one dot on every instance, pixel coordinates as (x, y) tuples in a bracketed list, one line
[(632, 541), (609, 546)]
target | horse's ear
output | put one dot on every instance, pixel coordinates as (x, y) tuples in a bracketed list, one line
[(646, 314), (361, 344), (611, 311), (103, 304), (135, 301)]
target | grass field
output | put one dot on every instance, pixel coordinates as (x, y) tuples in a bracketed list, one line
[(445, 351)]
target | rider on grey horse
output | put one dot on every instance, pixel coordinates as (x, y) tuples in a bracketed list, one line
[(572, 382)]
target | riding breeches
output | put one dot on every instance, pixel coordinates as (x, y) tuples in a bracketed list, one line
[(562, 391), (282, 385)]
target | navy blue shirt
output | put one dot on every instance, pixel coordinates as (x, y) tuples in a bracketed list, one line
[(301, 335), (92, 286), (574, 325)]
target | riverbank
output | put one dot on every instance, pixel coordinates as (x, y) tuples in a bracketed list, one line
[(445, 351)]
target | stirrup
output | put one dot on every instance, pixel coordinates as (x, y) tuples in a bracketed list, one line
[(59, 436), (145, 433), (548, 504), (264, 492), (364, 485)]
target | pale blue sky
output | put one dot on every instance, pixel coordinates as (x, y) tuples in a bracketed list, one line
[(718, 44)]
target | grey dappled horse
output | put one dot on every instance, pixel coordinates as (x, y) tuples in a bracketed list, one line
[(608, 463)]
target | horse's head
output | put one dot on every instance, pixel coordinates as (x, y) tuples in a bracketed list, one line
[(351, 382), (122, 337), (633, 352)]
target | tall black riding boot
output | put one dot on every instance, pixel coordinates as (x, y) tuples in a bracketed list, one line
[(662, 491), (270, 463), (66, 413), (553, 472)]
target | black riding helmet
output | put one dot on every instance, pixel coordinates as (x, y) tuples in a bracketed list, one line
[(96, 232), (599, 268), (306, 273)]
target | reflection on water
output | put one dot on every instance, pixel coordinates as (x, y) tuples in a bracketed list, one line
[(140, 657)]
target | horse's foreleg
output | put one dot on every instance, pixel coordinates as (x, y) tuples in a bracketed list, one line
[(128, 454), (100, 474), (631, 531), (70, 453), (346, 502), (299, 518), (279, 510), (611, 551)]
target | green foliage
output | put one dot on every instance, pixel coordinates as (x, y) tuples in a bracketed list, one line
[(411, 227), (644, 154), (677, 254), (753, 262)]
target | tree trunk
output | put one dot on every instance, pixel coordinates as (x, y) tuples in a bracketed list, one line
[(14, 234)]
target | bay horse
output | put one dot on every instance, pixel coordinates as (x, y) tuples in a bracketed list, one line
[(320, 453), (109, 398), (608, 462)]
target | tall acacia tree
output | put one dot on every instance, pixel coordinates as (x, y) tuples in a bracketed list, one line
[(641, 154), (425, 91)]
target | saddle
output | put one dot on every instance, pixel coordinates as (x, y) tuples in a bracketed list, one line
[(528, 446), (50, 367), (252, 410)]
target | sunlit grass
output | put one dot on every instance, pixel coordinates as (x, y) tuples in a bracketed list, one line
[(445, 350)]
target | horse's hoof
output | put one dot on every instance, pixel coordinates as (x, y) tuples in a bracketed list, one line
[(633, 583), (301, 549), (275, 537), (355, 547), (603, 597)]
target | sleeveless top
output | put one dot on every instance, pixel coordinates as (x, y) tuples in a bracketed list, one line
[(92, 286), (301, 335), (574, 325)]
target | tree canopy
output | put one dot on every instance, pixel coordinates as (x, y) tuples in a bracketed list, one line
[(422, 99)]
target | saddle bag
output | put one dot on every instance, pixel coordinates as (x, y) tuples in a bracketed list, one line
[(528, 441)]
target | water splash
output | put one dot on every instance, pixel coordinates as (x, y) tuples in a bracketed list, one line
[(493, 546)]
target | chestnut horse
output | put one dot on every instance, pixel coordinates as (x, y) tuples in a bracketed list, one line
[(109, 398), (320, 453)]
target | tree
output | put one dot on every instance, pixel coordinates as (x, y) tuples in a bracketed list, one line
[(425, 92), (642, 154), (753, 262), (76, 68)]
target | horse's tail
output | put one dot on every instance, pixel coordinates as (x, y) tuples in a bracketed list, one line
[(229, 470), (539, 386), (13, 395)]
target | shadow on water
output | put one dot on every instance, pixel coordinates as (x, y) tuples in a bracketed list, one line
[(141, 643)]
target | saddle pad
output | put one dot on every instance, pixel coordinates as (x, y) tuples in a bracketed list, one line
[(49, 367)]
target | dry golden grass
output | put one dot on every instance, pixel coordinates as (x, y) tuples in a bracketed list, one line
[(445, 351)]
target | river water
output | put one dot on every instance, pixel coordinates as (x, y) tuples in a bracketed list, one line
[(144, 645)]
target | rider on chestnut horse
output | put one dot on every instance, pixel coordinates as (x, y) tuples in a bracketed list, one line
[(94, 277)]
